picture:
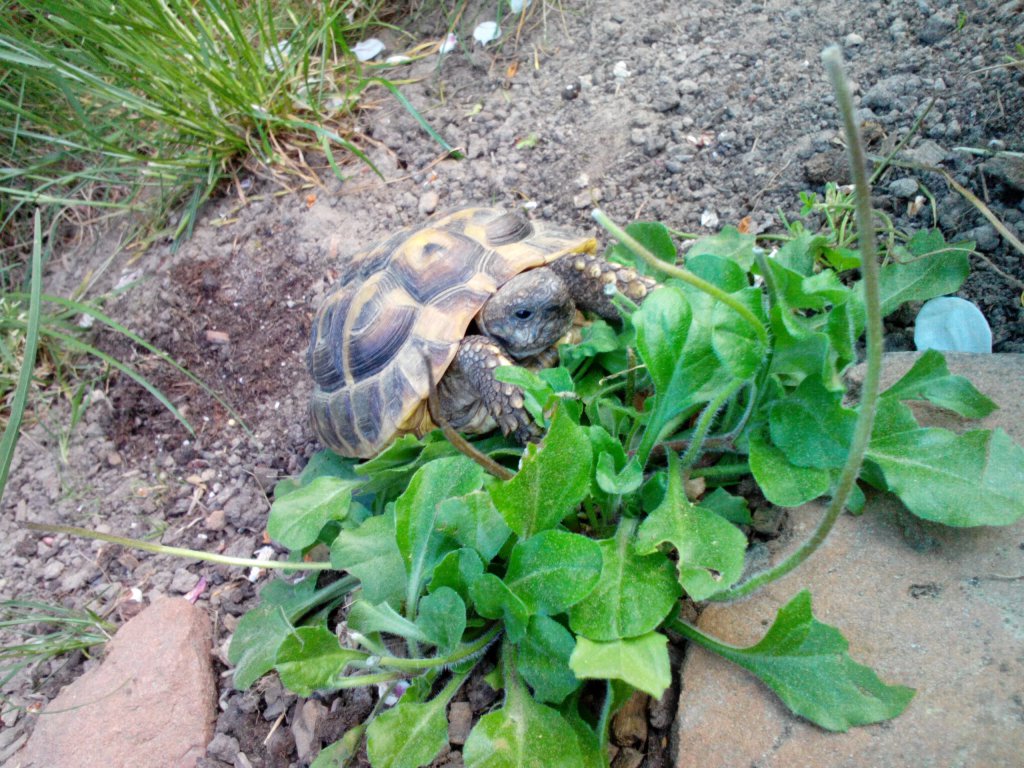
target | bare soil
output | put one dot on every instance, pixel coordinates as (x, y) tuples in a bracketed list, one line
[(687, 113)]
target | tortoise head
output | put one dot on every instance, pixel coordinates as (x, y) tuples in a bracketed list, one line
[(529, 313)]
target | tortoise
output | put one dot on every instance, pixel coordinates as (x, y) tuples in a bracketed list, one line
[(410, 302)]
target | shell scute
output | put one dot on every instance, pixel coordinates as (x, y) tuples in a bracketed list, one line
[(409, 300)]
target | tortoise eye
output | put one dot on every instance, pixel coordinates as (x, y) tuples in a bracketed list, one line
[(523, 314)]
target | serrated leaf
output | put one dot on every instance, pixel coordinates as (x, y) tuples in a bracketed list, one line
[(799, 351), (553, 570), (442, 618), (553, 478), (710, 549), (297, 518), (976, 478), (311, 659), (371, 554), (543, 660), (811, 426), (409, 735), (807, 665), (473, 521), (640, 661), (522, 734), (929, 379), (783, 483), (633, 595), (494, 600)]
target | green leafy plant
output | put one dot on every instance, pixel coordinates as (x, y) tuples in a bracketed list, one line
[(567, 575)]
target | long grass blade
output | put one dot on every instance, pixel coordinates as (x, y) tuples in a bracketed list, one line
[(28, 363)]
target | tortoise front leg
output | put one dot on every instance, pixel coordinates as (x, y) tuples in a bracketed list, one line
[(588, 278), (473, 401)]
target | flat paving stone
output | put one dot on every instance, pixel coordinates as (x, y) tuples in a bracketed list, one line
[(938, 609)]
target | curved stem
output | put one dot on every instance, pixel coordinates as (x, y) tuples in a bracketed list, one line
[(194, 554), (683, 274), (872, 305), (704, 422)]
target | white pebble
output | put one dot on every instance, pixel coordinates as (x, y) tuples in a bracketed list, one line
[(952, 324)]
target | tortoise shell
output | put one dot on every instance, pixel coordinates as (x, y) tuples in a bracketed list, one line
[(407, 301)]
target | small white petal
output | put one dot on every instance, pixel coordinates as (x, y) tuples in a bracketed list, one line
[(368, 48), (620, 69), (951, 324), (399, 59), (486, 31), (517, 5), (449, 43)]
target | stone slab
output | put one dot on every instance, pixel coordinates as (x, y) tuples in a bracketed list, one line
[(152, 702), (938, 609)]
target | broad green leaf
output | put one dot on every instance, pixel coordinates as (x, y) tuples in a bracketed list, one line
[(408, 735), (388, 472), (929, 379), (730, 244), (811, 426), (473, 521), (321, 464), (734, 340), (419, 541), (662, 324), (976, 478), (543, 660), (634, 594), (457, 570), (710, 549), (640, 661), (370, 553), (799, 351), (806, 663), (717, 270), (297, 518), (261, 631), (591, 748), (655, 237), (553, 570), (442, 617), (366, 619), (622, 481), (932, 269), (311, 659), (732, 508), (522, 734), (552, 479), (783, 483), (494, 600)]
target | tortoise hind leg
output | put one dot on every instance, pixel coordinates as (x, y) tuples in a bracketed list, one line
[(590, 280), (473, 401)]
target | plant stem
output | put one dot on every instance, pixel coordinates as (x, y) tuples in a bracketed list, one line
[(683, 274), (209, 557), (872, 301), (704, 423), (459, 654)]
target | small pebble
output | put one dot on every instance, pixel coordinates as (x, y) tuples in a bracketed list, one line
[(428, 202), (216, 520), (853, 40), (218, 337), (903, 188)]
